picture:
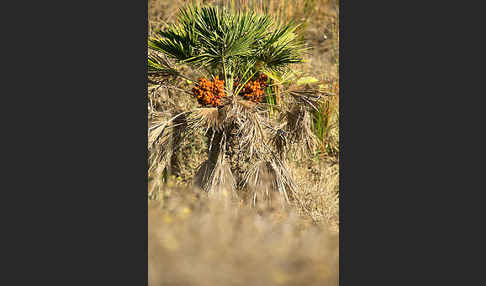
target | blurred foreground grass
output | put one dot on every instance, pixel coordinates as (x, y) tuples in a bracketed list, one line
[(194, 240)]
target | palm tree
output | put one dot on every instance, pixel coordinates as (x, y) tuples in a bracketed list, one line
[(241, 52)]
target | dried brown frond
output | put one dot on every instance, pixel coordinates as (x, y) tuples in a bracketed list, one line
[(165, 134), (241, 121), (159, 138), (308, 98), (165, 72), (279, 139), (267, 178), (299, 129), (235, 108), (252, 135), (216, 178), (205, 118), (283, 179), (259, 183), (183, 125)]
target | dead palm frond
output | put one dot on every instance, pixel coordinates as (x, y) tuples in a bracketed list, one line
[(164, 138), (309, 98), (263, 182), (298, 129), (158, 140), (216, 178), (279, 139), (205, 118)]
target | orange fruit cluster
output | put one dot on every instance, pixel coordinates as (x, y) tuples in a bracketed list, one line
[(253, 89), (209, 92)]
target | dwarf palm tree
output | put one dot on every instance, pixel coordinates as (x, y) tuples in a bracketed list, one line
[(246, 145)]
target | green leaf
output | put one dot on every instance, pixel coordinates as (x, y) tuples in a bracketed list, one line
[(307, 80)]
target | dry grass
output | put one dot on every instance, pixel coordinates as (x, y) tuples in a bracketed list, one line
[(199, 239), (194, 240)]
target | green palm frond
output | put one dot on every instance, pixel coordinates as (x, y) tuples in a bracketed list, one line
[(282, 48), (236, 44), (174, 41)]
